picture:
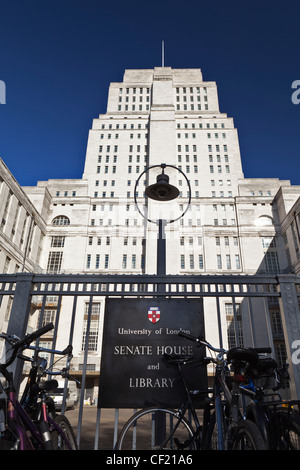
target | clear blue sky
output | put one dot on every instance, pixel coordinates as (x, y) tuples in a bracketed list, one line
[(57, 58)]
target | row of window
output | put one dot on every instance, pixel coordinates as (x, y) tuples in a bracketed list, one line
[(134, 90), (194, 135), (134, 241), (125, 126), (22, 222), (201, 126), (191, 107), (134, 98), (190, 125), (191, 89), (187, 261), (133, 107)]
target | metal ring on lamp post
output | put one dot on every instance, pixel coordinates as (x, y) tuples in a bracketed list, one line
[(163, 166)]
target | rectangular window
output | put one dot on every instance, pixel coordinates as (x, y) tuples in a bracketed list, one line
[(88, 261), (90, 337), (182, 262), (271, 260), (228, 262), (57, 242), (234, 325), (54, 261), (192, 262), (133, 261), (201, 262)]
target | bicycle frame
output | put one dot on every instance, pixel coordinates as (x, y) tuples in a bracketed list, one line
[(18, 418), (20, 422), (219, 387)]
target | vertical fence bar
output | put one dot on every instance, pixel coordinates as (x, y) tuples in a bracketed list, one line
[(19, 315), (84, 370), (236, 323), (219, 317), (290, 317)]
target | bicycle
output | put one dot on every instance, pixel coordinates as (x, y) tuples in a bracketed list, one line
[(144, 430), (32, 423), (277, 419)]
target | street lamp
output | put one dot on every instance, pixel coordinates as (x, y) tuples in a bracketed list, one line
[(162, 191)]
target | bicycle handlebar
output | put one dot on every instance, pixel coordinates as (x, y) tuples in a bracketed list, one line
[(196, 339), (28, 339)]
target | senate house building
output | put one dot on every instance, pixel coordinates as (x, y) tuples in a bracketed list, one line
[(231, 225)]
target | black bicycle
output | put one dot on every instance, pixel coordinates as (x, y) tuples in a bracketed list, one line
[(32, 423), (157, 428), (277, 419)]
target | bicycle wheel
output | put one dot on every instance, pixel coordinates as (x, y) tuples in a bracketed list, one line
[(287, 425), (67, 433), (156, 428), (247, 436)]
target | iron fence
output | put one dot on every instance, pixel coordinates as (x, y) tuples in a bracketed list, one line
[(256, 296)]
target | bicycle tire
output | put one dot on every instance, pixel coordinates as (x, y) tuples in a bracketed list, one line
[(247, 436), (287, 424), (57, 440), (139, 432)]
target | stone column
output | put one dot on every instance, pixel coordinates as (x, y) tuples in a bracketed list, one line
[(290, 317)]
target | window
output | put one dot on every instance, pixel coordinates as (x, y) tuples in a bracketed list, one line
[(268, 242), (88, 261), (48, 317), (276, 323), (228, 262), (133, 261), (219, 262), (6, 264), (93, 332), (61, 220), (192, 262), (54, 261), (182, 262), (233, 320), (271, 261), (57, 242), (201, 261)]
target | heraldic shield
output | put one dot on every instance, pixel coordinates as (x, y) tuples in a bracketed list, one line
[(154, 314)]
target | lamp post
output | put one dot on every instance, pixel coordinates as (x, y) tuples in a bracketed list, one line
[(162, 191)]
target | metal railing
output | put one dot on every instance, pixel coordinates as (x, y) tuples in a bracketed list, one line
[(22, 294)]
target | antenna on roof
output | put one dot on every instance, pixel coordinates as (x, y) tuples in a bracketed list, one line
[(163, 54)]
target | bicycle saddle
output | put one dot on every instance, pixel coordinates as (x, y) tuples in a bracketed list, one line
[(242, 354), (264, 365), (46, 385)]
